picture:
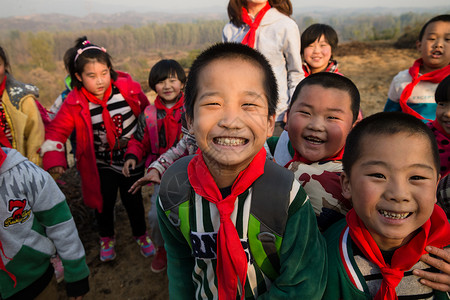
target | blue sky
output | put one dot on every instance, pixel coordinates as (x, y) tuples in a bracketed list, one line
[(85, 7)]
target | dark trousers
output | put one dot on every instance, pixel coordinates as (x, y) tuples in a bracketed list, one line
[(110, 182)]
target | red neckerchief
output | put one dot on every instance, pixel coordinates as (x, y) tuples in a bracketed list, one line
[(3, 139), (231, 258), (110, 127), (435, 77), (444, 150), (331, 68), (171, 121), (298, 157), (435, 232), (249, 38), (2, 265)]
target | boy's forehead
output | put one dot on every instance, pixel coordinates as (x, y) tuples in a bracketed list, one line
[(310, 93), (437, 27)]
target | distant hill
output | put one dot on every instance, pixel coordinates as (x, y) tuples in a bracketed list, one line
[(63, 22)]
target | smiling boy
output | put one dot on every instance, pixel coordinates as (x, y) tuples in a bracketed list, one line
[(322, 112), (234, 223), (412, 90), (392, 187)]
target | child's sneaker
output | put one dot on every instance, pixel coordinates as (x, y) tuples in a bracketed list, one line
[(107, 252), (159, 262), (59, 269), (147, 248)]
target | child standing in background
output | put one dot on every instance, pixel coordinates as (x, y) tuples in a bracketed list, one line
[(412, 90), (159, 129), (267, 27), (103, 107), (318, 42), (21, 124)]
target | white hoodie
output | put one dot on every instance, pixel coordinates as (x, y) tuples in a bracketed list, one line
[(278, 39)]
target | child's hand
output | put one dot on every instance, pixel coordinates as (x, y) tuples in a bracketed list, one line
[(130, 163), (437, 281), (151, 176)]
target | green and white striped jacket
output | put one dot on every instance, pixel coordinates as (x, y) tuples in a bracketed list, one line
[(192, 259)]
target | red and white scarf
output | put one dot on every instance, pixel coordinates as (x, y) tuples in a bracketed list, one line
[(2, 265), (435, 232), (298, 157), (332, 67), (171, 121), (110, 127), (250, 37), (231, 258), (434, 76)]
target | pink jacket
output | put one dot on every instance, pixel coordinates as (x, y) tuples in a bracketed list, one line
[(75, 114)]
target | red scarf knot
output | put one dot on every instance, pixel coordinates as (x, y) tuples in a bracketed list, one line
[(250, 37), (434, 76), (395, 276), (231, 258)]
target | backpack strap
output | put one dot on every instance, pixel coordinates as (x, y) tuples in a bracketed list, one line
[(151, 120), (174, 194), (268, 216)]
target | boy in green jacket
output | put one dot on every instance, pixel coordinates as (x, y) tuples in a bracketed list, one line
[(235, 224)]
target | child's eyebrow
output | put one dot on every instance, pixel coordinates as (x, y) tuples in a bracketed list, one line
[(214, 93), (382, 163), (333, 109)]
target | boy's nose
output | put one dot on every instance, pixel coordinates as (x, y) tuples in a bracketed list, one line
[(316, 124), (439, 43), (397, 190), (230, 119)]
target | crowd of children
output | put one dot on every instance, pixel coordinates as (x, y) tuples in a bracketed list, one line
[(334, 206)]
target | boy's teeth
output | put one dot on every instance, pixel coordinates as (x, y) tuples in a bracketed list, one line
[(229, 141), (314, 140), (393, 215)]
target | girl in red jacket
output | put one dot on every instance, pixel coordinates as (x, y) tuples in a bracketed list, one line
[(103, 108)]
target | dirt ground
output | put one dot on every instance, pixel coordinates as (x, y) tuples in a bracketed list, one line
[(371, 66)]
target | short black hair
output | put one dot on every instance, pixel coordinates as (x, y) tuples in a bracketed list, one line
[(221, 51), (443, 18), (442, 93), (386, 123), (331, 80), (164, 69), (83, 53), (315, 31)]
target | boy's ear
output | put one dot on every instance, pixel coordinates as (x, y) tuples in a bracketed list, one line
[(78, 77), (286, 120), (418, 45), (437, 184), (345, 185), (270, 126), (189, 124)]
